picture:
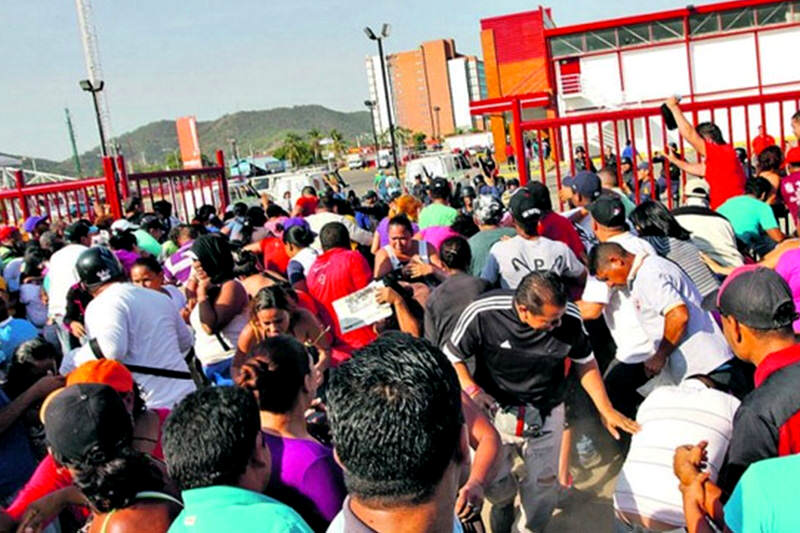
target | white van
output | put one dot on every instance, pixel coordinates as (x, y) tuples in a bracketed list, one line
[(453, 167), (354, 161)]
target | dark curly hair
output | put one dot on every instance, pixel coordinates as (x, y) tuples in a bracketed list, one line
[(275, 372), (115, 483)]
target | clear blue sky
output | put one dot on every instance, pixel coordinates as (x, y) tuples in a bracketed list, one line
[(163, 59)]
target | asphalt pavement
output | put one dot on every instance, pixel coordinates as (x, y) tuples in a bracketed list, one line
[(359, 180)]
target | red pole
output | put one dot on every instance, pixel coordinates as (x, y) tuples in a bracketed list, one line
[(23, 202), (123, 177), (519, 144), (223, 180), (112, 194)]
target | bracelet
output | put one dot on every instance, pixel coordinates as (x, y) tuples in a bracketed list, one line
[(473, 390)]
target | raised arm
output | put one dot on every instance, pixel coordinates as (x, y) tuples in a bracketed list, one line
[(685, 128)]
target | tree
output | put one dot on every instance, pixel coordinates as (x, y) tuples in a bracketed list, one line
[(314, 137), (295, 150), (419, 140), (338, 145), (402, 135)]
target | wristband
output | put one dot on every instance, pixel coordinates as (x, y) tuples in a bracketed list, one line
[(473, 390)]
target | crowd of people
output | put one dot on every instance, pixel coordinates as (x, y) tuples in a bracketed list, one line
[(389, 362)]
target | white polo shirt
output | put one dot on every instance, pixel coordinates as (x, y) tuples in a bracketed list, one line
[(657, 286), (633, 344), (670, 417)]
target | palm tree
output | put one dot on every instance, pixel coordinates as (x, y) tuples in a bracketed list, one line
[(338, 145), (314, 137), (293, 147), (402, 135)]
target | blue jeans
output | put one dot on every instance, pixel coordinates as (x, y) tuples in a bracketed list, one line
[(220, 373)]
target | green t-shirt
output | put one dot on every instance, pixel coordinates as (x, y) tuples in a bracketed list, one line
[(481, 243), (436, 215), (148, 243), (750, 218), (225, 508)]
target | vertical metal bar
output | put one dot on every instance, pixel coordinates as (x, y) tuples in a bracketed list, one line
[(112, 194), (730, 125), (747, 131), (783, 132), (586, 147), (519, 144), (175, 204), (634, 165), (226, 199), (650, 158), (19, 179), (618, 155), (554, 149), (666, 165), (150, 191), (602, 143), (542, 170), (89, 211), (569, 150)]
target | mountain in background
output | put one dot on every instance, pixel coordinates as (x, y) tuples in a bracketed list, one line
[(261, 131)]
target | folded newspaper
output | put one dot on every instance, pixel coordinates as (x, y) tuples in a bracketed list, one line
[(361, 308)]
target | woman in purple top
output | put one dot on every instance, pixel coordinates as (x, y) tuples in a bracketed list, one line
[(304, 475)]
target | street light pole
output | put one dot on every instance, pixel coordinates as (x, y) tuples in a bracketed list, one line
[(371, 35), (86, 85), (371, 105)]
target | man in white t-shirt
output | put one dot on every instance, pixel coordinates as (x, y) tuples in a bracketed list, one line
[(135, 326), (684, 338), (326, 213), (615, 306), (511, 260), (646, 495), (62, 276)]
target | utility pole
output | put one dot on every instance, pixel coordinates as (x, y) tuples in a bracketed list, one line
[(75, 158), (379, 38)]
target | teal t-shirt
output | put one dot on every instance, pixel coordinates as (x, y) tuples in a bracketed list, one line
[(225, 508), (750, 218), (437, 215), (765, 499), (481, 243)]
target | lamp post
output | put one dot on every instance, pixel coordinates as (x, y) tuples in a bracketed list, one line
[(384, 34), (371, 105), (88, 86), (437, 128)]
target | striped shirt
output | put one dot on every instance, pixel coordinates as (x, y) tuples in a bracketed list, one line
[(670, 417), (179, 265), (686, 255)]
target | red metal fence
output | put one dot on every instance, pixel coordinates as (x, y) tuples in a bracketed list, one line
[(186, 190), (603, 134)]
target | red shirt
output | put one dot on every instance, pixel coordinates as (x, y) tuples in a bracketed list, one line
[(724, 173), (335, 274), (275, 257), (762, 141), (307, 205), (558, 228)]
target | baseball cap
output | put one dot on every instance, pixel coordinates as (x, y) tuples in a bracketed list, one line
[(643, 165), (370, 195), (296, 221), (541, 195), (103, 371), (32, 221), (697, 187), (487, 209), (6, 232), (608, 210), (793, 156), (757, 297), (523, 207), (87, 422), (625, 161), (585, 183), (123, 225)]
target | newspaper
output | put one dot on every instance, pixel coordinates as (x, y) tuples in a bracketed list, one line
[(361, 308)]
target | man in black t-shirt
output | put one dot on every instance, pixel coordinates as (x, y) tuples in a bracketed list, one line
[(520, 341)]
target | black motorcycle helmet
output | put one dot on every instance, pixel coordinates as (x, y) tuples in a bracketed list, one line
[(468, 191), (98, 265)]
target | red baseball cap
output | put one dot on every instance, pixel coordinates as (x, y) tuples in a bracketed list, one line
[(793, 156)]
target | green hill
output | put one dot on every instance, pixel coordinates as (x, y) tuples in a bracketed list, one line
[(260, 130)]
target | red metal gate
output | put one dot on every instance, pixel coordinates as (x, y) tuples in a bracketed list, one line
[(603, 134)]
